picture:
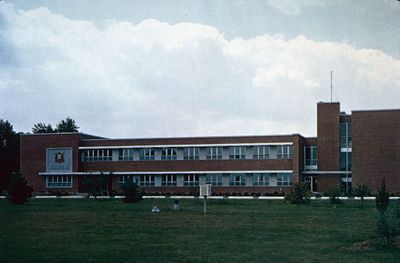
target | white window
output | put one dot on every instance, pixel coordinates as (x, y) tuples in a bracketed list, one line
[(168, 154), (191, 153), (214, 153), (311, 158), (168, 180), (191, 180), (147, 154), (261, 179), (284, 179), (125, 177), (59, 181), (214, 179), (237, 152), (284, 151), (237, 179), (96, 155), (125, 155), (261, 152), (147, 180)]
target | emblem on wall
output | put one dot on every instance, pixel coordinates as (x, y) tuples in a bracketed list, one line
[(59, 157), (59, 160)]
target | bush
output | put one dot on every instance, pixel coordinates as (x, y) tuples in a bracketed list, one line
[(382, 198), (19, 191), (96, 185), (131, 192), (334, 194), (300, 194), (362, 191), (389, 226)]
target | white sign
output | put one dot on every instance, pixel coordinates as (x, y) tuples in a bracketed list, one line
[(58, 160), (205, 190)]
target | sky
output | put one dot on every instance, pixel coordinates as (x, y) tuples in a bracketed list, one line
[(133, 69)]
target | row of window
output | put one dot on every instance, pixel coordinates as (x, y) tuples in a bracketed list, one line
[(235, 179), (59, 181), (190, 180), (189, 153)]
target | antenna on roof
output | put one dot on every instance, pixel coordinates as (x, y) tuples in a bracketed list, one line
[(331, 84)]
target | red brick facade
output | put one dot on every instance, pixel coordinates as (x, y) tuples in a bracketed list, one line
[(375, 154), (376, 148)]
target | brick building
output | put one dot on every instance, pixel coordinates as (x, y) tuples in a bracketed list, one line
[(349, 150)]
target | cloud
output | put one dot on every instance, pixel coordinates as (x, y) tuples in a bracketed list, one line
[(157, 79)]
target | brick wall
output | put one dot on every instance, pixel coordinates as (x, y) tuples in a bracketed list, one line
[(33, 157), (328, 136), (376, 148)]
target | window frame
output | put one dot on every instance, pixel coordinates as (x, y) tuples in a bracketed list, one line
[(168, 180), (237, 152), (240, 182), (51, 183), (169, 153), (261, 179), (147, 154), (191, 153), (191, 180)]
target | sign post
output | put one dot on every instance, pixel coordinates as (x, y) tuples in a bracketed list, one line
[(205, 190)]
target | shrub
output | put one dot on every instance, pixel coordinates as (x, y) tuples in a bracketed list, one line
[(382, 198), (300, 194), (19, 191), (389, 226), (334, 194), (96, 185), (131, 192), (362, 191)]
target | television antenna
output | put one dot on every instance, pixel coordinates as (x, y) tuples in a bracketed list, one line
[(331, 84)]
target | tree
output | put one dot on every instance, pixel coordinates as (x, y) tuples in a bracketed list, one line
[(131, 191), (96, 185), (67, 125), (362, 191), (19, 191), (388, 223), (9, 153), (300, 194), (42, 128), (382, 198)]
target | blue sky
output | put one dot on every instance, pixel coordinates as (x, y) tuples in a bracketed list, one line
[(193, 68)]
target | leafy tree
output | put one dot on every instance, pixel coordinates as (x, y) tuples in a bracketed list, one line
[(388, 223), (42, 128), (334, 194), (67, 125), (19, 191), (300, 194), (96, 185), (382, 198), (362, 191), (9, 153), (131, 191)]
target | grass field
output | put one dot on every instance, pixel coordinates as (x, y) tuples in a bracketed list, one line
[(59, 230)]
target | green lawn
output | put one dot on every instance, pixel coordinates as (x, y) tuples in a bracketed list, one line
[(60, 230)]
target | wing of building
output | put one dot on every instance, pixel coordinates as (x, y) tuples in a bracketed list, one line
[(361, 148)]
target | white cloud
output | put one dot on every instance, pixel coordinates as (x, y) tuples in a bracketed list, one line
[(158, 79)]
